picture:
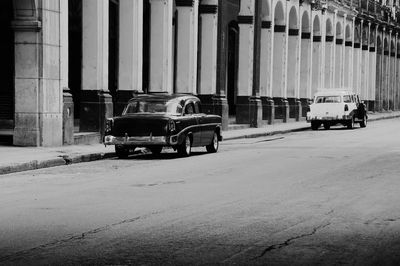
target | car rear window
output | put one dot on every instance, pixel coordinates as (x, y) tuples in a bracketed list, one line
[(328, 99), (153, 106)]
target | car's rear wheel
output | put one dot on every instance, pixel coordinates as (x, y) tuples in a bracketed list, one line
[(314, 125), (364, 122), (156, 150), (185, 149), (214, 145), (327, 126), (122, 151), (350, 124)]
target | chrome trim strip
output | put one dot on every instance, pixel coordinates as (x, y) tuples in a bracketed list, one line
[(147, 140)]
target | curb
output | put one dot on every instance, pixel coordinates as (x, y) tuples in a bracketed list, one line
[(68, 159), (62, 160)]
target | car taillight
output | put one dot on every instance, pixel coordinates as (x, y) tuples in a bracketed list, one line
[(171, 125), (346, 108), (109, 125)]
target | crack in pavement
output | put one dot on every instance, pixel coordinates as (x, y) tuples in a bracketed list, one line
[(287, 242), (76, 237)]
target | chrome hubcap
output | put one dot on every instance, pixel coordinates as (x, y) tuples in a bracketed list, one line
[(215, 141)]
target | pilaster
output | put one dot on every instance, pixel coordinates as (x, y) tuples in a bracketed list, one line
[(130, 69), (187, 32), (96, 102), (39, 76), (161, 46)]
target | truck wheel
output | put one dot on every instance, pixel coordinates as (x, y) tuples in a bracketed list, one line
[(314, 125), (350, 124), (122, 151), (364, 122), (213, 146), (327, 126)]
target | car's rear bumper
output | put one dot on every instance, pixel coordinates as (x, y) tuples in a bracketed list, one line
[(337, 119), (136, 141)]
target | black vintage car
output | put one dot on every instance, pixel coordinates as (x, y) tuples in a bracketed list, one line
[(157, 120)]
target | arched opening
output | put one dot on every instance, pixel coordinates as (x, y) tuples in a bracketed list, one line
[(292, 64), (7, 67), (146, 45), (338, 56), (232, 66), (305, 93), (75, 55), (279, 14), (265, 10), (113, 50)]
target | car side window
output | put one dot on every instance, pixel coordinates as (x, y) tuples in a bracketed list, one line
[(347, 99), (189, 109), (197, 107)]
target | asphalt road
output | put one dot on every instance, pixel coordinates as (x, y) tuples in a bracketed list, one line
[(313, 197)]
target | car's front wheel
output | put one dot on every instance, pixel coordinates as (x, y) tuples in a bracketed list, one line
[(122, 151), (327, 126), (214, 145), (185, 149), (314, 125)]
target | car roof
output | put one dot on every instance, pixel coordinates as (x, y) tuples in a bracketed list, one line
[(333, 91), (165, 97)]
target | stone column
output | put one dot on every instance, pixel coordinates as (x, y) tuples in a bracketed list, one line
[(130, 69), (161, 46), (246, 61), (293, 62), (213, 101), (329, 48), (96, 101), (338, 63), (316, 64), (187, 31), (397, 87), (378, 75), (305, 71), (372, 69), (364, 70), (385, 74), (265, 71), (392, 73), (279, 73), (38, 74), (68, 103), (356, 61)]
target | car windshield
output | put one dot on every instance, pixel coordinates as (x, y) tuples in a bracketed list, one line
[(327, 99), (153, 106)]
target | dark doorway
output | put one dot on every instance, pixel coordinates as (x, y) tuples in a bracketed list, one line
[(6, 65), (75, 52), (113, 35), (146, 45), (232, 67)]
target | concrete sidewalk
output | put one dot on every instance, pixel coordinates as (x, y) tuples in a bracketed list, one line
[(17, 159)]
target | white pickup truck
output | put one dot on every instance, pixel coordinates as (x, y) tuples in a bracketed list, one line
[(335, 106)]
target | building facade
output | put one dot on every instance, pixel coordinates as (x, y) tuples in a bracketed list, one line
[(69, 65)]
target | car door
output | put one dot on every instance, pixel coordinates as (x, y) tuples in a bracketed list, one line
[(207, 129), (191, 122)]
